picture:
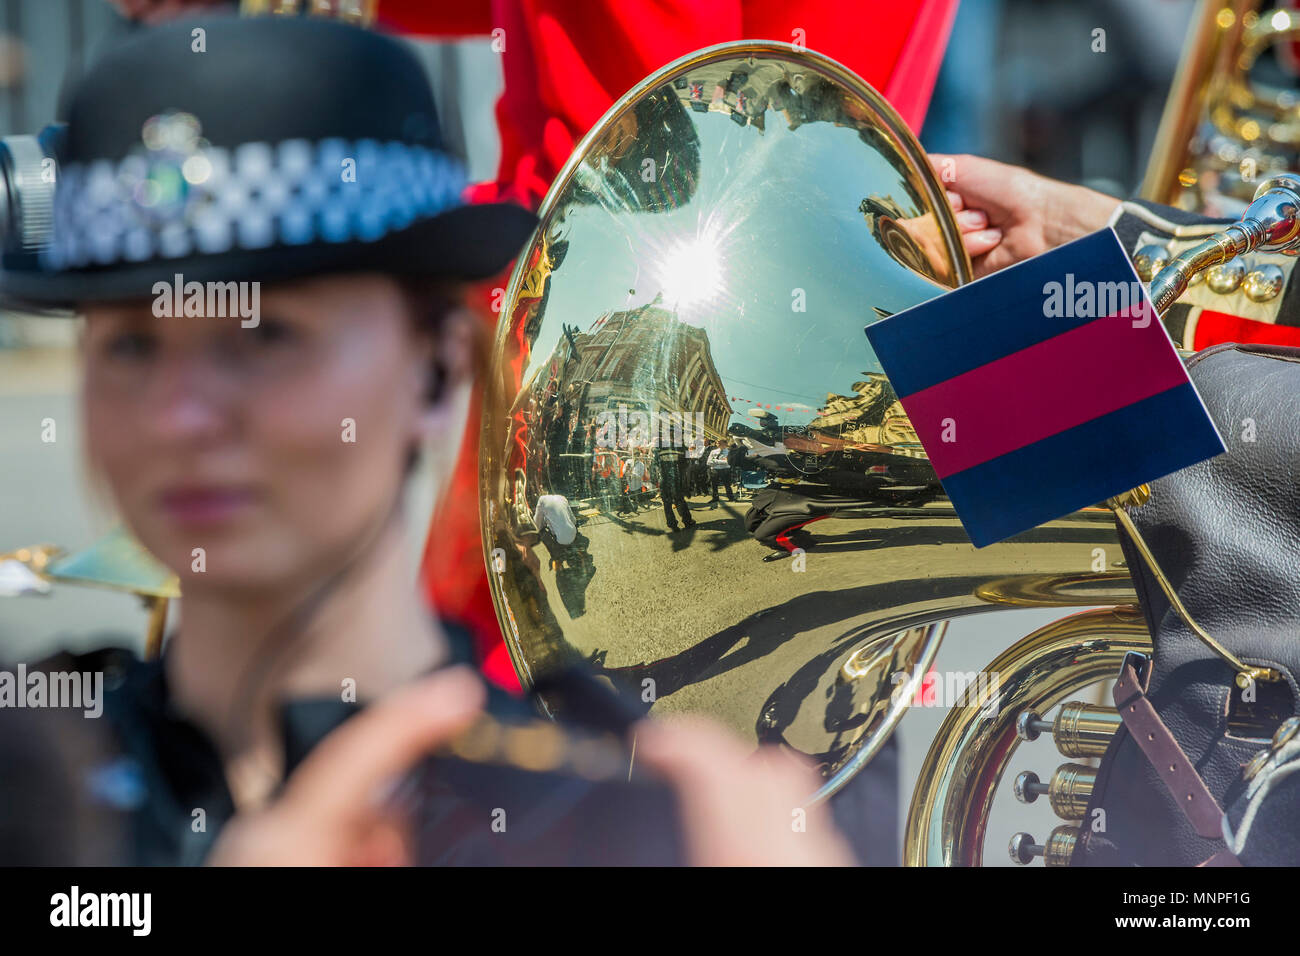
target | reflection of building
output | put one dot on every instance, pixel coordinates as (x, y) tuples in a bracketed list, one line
[(872, 415), (644, 358)]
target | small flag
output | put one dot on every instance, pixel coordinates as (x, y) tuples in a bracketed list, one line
[(1044, 388)]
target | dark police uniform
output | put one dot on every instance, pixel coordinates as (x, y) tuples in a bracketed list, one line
[(157, 784), (671, 461)]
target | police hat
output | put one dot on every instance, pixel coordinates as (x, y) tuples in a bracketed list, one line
[(258, 149)]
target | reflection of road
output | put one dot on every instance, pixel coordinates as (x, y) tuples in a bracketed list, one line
[(717, 630)]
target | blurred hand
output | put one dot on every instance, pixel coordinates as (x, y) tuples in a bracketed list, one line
[(334, 809), (1008, 214), (740, 807)]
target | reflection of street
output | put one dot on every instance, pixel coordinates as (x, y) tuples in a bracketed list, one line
[(718, 630)]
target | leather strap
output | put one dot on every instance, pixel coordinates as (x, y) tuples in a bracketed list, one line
[(1288, 353), (1153, 736)]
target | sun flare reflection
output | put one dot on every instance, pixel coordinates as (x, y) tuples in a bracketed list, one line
[(690, 272)]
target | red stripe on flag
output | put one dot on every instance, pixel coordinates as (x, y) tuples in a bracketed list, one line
[(1042, 390)]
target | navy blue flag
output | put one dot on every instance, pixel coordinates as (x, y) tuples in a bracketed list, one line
[(1044, 388)]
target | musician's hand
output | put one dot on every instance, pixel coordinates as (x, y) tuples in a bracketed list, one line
[(740, 807), (1007, 213), (334, 811)]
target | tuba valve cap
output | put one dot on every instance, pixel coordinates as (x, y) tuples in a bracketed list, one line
[(1029, 725), (1023, 849), (1028, 787)]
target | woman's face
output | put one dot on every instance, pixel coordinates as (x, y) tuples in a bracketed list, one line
[(276, 448)]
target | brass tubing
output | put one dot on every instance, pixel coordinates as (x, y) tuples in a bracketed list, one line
[(1084, 730), (157, 626), (1070, 790), (1270, 222), (1172, 281), (1060, 846), (1055, 852), (948, 816), (1208, 45)]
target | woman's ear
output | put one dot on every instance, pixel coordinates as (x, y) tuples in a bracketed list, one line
[(458, 348), (453, 365)]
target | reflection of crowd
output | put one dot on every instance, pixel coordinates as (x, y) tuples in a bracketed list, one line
[(618, 477), (625, 479), (584, 463)]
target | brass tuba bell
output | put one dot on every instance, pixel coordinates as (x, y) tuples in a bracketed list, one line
[(701, 273), (703, 269)]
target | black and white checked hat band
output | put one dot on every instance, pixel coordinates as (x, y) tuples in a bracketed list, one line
[(212, 200)]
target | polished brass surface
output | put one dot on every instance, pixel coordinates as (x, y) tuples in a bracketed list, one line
[(887, 674), (1264, 282), (1084, 730), (1172, 176), (1149, 260), (1226, 276), (1070, 789), (1055, 852), (704, 266), (1082, 589), (157, 627), (1270, 223), (117, 562), (947, 820), (36, 557), (1060, 845), (1255, 765), (1067, 792), (1286, 731), (361, 12)]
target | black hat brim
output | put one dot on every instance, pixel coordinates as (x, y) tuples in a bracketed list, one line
[(468, 243)]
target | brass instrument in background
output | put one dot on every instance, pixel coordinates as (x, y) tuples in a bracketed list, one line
[(116, 562), (948, 817), (1225, 127)]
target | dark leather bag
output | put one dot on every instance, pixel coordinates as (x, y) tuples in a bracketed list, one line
[(1227, 534)]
